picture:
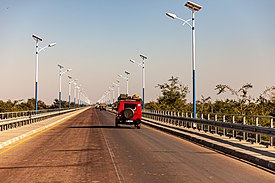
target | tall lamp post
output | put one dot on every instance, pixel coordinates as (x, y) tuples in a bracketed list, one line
[(113, 91), (102, 99), (70, 88), (85, 98), (108, 97), (37, 51), (61, 72), (75, 87), (71, 80), (193, 7), (117, 85), (79, 97), (83, 94), (78, 94), (142, 64), (127, 80)]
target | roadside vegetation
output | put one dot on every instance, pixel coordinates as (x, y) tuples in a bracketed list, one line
[(21, 105), (174, 94), (173, 98)]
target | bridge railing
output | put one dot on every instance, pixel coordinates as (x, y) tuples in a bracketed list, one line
[(11, 120), (257, 129), (18, 114)]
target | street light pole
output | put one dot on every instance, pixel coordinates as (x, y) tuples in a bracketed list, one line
[(71, 80), (118, 89), (70, 87), (117, 85), (127, 82), (102, 99), (37, 51), (108, 98), (194, 65), (61, 72), (78, 95), (75, 87), (85, 98), (127, 79), (36, 74), (113, 91), (82, 99), (143, 80), (193, 7), (80, 92), (142, 64)]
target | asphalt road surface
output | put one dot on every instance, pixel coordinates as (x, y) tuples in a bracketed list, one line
[(88, 148)]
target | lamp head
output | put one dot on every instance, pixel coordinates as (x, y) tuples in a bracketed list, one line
[(171, 15), (126, 72), (132, 61), (52, 44)]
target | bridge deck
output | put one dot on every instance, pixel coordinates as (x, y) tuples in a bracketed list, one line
[(88, 148)]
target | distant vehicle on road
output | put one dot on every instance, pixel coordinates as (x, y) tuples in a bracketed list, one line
[(97, 105), (129, 110), (103, 107)]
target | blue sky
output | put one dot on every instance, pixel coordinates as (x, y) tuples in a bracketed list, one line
[(235, 44)]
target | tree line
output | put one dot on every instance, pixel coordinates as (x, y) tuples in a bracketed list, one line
[(21, 105), (173, 98)]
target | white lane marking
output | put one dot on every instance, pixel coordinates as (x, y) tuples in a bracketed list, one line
[(112, 155)]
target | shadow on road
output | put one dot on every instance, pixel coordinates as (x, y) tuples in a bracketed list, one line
[(44, 166), (100, 127), (77, 150)]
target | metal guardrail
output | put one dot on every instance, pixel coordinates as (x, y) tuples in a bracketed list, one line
[(16, 119), (257, 129), (17, 114)]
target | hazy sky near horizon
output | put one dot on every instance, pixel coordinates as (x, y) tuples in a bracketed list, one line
[(235, 45)]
